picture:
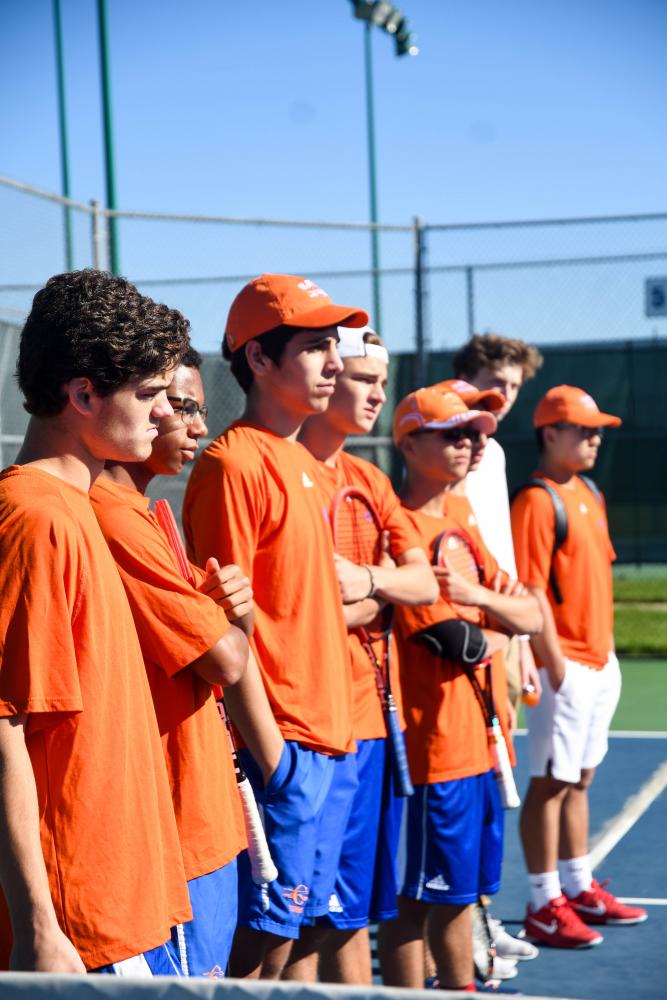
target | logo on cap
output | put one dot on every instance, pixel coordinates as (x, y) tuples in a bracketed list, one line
[(313, 290)]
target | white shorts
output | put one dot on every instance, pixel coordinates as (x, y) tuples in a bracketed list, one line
[(567, 731)]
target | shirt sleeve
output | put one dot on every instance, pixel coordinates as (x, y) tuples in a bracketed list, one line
[(175, 623), (403, 535), (223, 511), (39, 602), (533, 530)]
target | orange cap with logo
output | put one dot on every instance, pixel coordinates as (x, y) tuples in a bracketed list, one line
[(492, 399), (433, 409), (571, 405), (273, 300)]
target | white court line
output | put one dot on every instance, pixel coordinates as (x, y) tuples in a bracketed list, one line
[(642, 901), (635, 807), (638, 734), (623, 734)]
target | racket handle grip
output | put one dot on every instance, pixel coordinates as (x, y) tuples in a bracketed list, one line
[(262, 868), (398, 758), (509, 795)]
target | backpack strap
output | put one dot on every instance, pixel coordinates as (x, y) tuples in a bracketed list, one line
[(593, 487), (560, 525)]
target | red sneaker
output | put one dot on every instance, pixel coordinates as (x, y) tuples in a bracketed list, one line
[(597, 906), (557, 924)]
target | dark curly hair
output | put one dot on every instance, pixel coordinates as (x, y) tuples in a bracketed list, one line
[(93, 324)]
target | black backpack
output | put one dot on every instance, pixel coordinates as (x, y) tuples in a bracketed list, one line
[(560, 519)]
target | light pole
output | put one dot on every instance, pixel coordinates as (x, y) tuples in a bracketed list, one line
[(62, 127), (383, 15), (114, 257)]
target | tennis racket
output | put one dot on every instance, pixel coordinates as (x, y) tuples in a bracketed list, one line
[(457, 550), (484, 966), (262, 867), (357, 534)]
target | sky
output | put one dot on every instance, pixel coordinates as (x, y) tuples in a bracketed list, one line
[(513, 110)]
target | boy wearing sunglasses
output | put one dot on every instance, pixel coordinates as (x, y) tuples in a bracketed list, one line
[(455, 823), (567, 731)]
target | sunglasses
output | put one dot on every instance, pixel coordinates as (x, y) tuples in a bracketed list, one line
[(583, 432), (451, 435), (188, 409)]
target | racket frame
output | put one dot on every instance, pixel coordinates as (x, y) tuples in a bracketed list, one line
[(502, 767), (368, 638)]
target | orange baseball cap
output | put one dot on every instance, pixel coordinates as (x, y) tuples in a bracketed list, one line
[(493, 399), (273, 300), (433, 409), (573, 406)]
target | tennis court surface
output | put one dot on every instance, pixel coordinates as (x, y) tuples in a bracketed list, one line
[(629, 836)]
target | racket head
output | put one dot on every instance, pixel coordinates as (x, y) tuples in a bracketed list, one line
[(357, 536), (356, 527), (457, 550)]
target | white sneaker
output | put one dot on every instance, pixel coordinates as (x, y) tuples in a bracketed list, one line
[(501, 968), (510, 947), (504, 968)]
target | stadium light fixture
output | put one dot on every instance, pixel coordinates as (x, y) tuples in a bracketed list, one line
[(406, 42), (381, 14), (384, 15)]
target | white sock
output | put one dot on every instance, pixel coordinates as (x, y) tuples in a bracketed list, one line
[(575, 875), (543, 888)]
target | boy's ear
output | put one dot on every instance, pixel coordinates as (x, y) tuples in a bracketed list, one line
[(80, 392), (258, 362)]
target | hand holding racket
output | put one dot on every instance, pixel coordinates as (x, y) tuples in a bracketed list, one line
[(456, 552), (455, 588), (261, 863), (358, 538)]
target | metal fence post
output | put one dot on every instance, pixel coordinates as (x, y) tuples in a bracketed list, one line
[(421, 356), (97, 237), (470, 299)]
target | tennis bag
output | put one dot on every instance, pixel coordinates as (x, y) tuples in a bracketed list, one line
[(560, 519)]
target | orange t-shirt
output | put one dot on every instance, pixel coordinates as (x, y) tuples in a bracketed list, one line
[(582, 566), (70, 660), (253, 499), (368, 721), (446, 735), (176, 625)]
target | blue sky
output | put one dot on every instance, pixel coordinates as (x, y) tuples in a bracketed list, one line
[(512, 110)]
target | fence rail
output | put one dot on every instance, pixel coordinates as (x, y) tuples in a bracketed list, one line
[(578, 282)]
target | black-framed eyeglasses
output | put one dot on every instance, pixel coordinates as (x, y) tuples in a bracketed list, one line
[(451, 435), (583, 432), (188, 409)]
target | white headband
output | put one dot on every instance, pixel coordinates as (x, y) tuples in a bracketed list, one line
[(352, 345)]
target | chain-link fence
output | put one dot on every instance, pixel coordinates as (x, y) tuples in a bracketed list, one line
[(552, 282)]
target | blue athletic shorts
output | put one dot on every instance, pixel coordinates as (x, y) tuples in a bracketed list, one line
[(305, 808), (454, 841), (204, 943), (366, 883), (161, 961)]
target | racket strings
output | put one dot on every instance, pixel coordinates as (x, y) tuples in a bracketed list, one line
[(457, 554), (357, 535)]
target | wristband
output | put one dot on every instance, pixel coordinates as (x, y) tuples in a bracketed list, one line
[(371, 592)]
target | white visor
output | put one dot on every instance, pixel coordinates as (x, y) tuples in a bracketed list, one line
[(352, 345)]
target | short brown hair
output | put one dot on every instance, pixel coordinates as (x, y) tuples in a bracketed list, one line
[(272, 343), (91, 323), (493, 350)]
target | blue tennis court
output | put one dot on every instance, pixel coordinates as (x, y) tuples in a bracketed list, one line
[(631, 961)]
